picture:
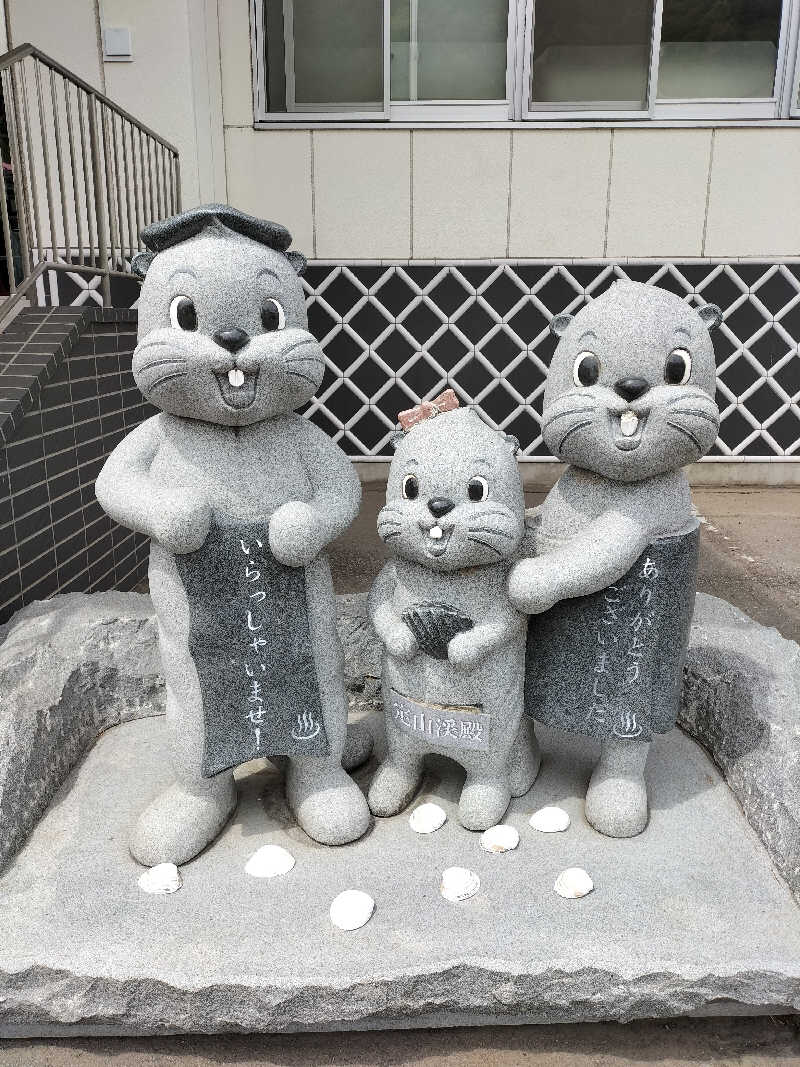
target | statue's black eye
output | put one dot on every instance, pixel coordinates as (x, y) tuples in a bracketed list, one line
[(410, 487), (478, 489), (182, 313), (586, 368), (678, 367), (272, 316)]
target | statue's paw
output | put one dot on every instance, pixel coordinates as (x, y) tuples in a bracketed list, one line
[(392, 789), (463, 652), (616, 805), (178, 825), (295, 534), (400, 642), (483, 803), (531, 588), (182, 525), (326, 802)]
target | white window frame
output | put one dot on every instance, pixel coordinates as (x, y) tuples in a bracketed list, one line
[(466, 111), (461, 110), (690, 109), (331, 112), (791, 87), (784, 103)]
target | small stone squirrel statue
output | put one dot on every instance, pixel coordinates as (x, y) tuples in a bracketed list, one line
[(454, 644), (239, 495), (629, 401)]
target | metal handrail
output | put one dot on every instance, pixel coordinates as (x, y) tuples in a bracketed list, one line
[(23, 50), (79, 177)]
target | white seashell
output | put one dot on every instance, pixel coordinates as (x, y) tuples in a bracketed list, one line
[(549, 820), (268, 861), (352, 909), (236, 378), (502, 838), (458, 883), (628, 423), (436, 532), (163, 878), (573, 882), (427, 818)]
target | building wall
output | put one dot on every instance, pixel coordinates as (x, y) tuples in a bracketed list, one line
[(172, 85), (519, 193), (352, 194)]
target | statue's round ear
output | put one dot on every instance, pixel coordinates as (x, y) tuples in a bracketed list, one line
[(559, 324), (711, 316), (298, 261), (395, 439), (141, 263), (512, 442)]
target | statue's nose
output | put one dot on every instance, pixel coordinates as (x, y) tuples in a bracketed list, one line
[(631, 388), (233, 339), (440, 505)]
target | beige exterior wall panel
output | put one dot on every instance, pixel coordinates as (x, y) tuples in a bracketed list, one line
[(236, 62), (362, 193), (157, 87), (559, 188), (460, 193), (754, 199), (65, 30), (269, 175), (658, 189)]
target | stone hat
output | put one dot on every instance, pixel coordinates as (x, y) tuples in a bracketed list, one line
[(159, 236)]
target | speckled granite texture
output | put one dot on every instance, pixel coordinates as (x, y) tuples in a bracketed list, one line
[(705, 927), (84, 951)]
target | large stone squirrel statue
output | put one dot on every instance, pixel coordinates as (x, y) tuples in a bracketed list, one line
[(629, 401), (239, 496)]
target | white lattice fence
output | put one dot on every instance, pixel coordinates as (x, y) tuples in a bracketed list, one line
[(395, 334)]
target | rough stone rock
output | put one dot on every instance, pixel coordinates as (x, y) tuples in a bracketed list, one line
[(70, 667), (362, 647), (705, 927), (741, 701)]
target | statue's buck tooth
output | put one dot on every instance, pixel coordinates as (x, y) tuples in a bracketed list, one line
[(236, 378), (628, 423)]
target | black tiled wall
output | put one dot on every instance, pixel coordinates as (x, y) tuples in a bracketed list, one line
[(54, 537)]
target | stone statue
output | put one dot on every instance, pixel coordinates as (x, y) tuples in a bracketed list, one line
[(240, 496), (629, 401), (454, 645)]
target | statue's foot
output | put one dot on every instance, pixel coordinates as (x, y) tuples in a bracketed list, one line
[(616, 800), (393, 788), (524, 760), (326, 802), (178, 824), (483, 803), (357, 745)]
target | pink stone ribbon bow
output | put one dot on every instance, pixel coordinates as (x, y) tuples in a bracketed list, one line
[(447, 401)]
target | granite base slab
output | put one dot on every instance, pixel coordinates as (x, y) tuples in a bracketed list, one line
[(688, 918)]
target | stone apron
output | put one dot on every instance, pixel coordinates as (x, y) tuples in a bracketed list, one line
[(250, 641), (610, 665)]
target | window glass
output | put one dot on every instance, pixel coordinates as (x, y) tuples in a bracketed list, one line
[(443, 50), (724, 49), (324, 56), (591, 54)]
